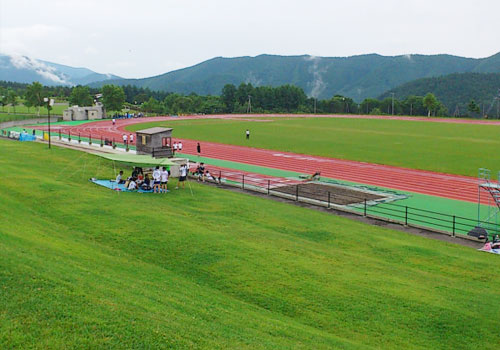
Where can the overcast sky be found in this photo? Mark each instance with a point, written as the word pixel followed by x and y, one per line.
pixel 140 38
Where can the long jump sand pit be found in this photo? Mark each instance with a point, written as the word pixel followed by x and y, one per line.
pixel 330 193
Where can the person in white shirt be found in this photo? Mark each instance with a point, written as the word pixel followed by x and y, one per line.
pixel 183 175
pixel 175 146
pixel 114 121
pixel 209 176
pixel 131 138
pixel 132 185
pixel 164 180
pixel 180 146
pixel 156 179
pixel 247 133
pixel 119 179
pixel 124 139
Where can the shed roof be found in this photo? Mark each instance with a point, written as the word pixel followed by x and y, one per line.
pixel 154 130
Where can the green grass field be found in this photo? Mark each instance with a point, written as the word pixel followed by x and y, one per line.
pixel 27 113
pixel 85 267
pixel 443 147
pixel 4 117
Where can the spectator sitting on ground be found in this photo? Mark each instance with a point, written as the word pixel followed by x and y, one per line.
pixel 209 177
pixel 201 172
pixel 496 242
pixel 146 184
pixel 135 173
pixel 119 179
pixel 132 185
pixel 140 178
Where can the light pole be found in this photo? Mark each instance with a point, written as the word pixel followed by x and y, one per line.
pixel 50 103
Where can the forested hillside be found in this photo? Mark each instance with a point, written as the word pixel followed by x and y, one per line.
pixel 358 77
pixel 456 91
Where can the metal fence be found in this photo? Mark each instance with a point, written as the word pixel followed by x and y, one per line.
pixel 387 211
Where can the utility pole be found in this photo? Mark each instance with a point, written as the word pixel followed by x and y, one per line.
pixel 315 105
pixel 249 107
pixel 392 93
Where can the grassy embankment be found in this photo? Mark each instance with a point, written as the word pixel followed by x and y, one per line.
pixel 85 267
pixel 443 147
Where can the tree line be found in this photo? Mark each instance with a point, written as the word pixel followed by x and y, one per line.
pixel 242 99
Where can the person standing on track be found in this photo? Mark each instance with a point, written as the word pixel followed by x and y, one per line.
pixel 179 146
pixel 125 139
pixel 114 121
pixel 247 133
pixel 175 146
pixel 131 138
pixel 198 149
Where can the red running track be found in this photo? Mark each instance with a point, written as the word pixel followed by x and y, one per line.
pixel 418 181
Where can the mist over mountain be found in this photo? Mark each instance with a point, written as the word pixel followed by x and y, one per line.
pixel 24 69
pixel 358 77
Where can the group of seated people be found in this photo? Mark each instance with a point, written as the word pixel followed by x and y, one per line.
pixel 136 180
pixel 159 178
pixel 204 174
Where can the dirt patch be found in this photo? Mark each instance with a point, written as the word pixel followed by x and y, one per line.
pixel 338 194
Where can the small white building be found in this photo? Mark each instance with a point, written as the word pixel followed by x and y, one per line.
pixel 84 113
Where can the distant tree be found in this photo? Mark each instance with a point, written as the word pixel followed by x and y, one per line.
pixel 12 99
pixel 368 104
pixel 244 90
pixel 34 95
pixel 169 103
pixel 140 98
pixel 334 105
pixel 430 102
pixel 80 96
pixel 113 97
pixel 473 108
pixel 183 104
pixel 3 99
pixel 27 104
pixel 228 97
pixel 211 105
pixel 152 105
pixel 413 105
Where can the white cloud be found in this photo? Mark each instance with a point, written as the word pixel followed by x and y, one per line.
pixel 23 62
pixel 90 50
pixel 157 36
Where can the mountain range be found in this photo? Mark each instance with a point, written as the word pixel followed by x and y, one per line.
pixel 22 69
pixel 357 77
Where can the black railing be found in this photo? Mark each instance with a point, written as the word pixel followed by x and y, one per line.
pixel 361 205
